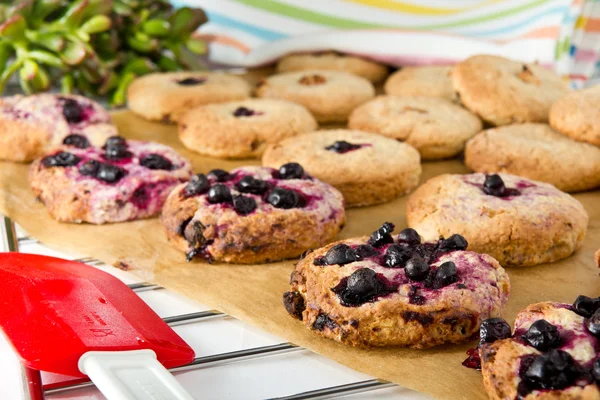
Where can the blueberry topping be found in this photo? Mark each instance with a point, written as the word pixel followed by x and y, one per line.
pixel 294 304
pixel 365 251
pixel 72 111
pixel 339 254
pixel 382 235
pixel 417 269
pixel 109 173
pixel 249 184
pixel 62 159
pixel 115 148
pixel 454 242
pixel 283 198
pixel 219 193
pixel 542 335
pixel 115 141
pixel 291 171
pixel 409 236
pixel 244 205
pixel 396 256
pixel 362 286
pixel 553 370
pixel 198 184
pixel 341 147
pixel 593 324
pixel 79 141
pixel 156 161
pixel 596 369
pixel 244 112
pixel 493 329
pixel 324 321
pixel 191 81
pixel 219 175
pixel 586 306
pixel 494 185
pixel 89 168
pixel 445 275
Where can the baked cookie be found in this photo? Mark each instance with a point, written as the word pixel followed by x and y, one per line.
pixel 167 96
pixel 577 115
pixel 367 168
pixel 503 91
pixel 517 221
pixel 122 181
pixel 436 127
pixel 370 70
pixel 431 81
pixel 552 354
pixel 30 126
pixel 242 129
pixel 535 151
pixel 329 95
pixel 396 291
pixel 252 214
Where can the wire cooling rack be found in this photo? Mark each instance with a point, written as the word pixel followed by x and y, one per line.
pixel 235 361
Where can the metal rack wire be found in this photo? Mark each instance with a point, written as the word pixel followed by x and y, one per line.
pixel 12 242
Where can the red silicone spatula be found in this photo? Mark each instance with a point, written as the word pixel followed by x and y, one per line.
pixel 69 318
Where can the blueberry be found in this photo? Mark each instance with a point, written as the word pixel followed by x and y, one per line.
pixel 596 369
pixel 109 173
pixel 586 306
pixel 249 184
pixel 219 193
pixel 79 141
pixel 365 251
pixel 72 111
pixel 382 235
pixel 454 242
pixel 62 159
pixel 244 112
pixel 283 198
pixel 409 236
pixel 156 161
pixel 340 254
pixel 553 370
pixel 115 141
pixel 363 284
pixel 198 184
pixel 417 269
pixel 542 335
pixel 244 205
pixel 494 185
pixel 446 274
pixel 493 329
pixel 593 324
pixel 291 171
pixel 191 81
pixel 396 256
pixel 89 168
pixel 219 175
pixel 341 146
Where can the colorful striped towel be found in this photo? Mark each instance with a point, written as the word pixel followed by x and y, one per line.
pixel 401 32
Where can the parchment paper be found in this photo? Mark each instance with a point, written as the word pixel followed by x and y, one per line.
pixel 253 293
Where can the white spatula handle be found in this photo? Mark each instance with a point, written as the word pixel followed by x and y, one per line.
pixel 131 375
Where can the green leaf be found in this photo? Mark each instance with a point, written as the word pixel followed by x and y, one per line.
pixel 51 41
pixel 45 57
pixel 166 63
pixel 156 27
pixel 41 81
pixel 43 8
pixel 111 82
pixel 97 24
pixel 120 94
pixel 98 7
pixel 67 83
pixel 13 28
pixel 185 21
pixel 6 52
pixel 29 70
pixel 142 46
pixel 196 46
pixel 73 53
pixel 8 72
pixel 74 14
pixel 139 66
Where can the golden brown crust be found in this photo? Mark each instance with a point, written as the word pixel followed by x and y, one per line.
pixel 544 226
pixel 393 321
pixel 431 81
pixel 158 97
pixel 537 152
pixel 576 115
pixel 502 91
pixel 370 70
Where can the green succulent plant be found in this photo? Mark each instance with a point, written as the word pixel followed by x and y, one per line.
pixel 95 47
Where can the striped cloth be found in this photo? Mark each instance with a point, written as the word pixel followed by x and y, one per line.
pixel 403 32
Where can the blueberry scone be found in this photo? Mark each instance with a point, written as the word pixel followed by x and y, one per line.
pixel 31 126
pixel 552 353
pixel 252 214
pixel 121 181
pixel 396 291
pixel 517 221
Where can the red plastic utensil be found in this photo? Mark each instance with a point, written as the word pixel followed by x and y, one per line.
pixel 68 318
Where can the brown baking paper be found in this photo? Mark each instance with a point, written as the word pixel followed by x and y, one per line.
pixel 253 293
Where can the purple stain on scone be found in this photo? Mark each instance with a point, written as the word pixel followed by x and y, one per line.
pixel 343 147
pixel 191 81
pixel 246 112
